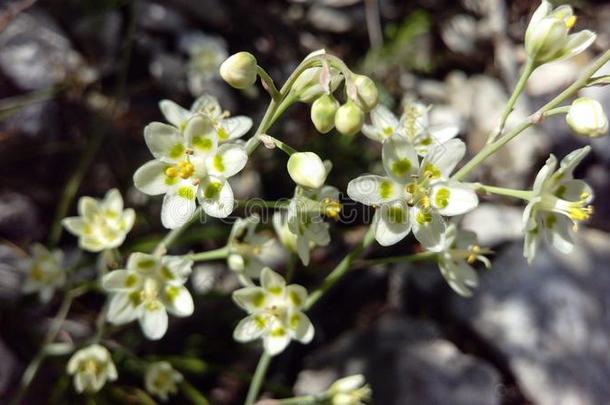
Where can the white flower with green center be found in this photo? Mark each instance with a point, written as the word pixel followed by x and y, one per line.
pixel 458 251
pixel 101 224
pixel 148 289
pixel 413 125
pixel 189 165
pixel 275 313
pixel 161 379
pixel 247 248
pixel 306 218
pixel 414 196
pixel 548 35
pixel 351 390
pixel 558 203
pixel 91 368
pixel 44 272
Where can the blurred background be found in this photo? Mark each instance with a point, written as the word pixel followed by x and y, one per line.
pixel 79 80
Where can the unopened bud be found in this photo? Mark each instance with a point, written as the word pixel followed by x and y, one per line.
pixel 239 70
pixel 307 169
pixel 323 113
pixel 349 118
pixel 586 117
pixel 308 86
pixel 367 94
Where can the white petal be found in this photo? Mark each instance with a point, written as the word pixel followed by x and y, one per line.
pixel 272 282
pixel 164 142
pixel 207 104
pixel 228 161
pixel 297 295
pixel 276 340
pixel 173 113
pixel 453 198
pixel 542 11
pixel 557 231
pixel 544 173
pixel 569 163
pixel 201 135
pixel 391 223
pixel 121 309
pixel 251 299
pixel 250 328
pixel 574 190
pixel 216 197
pixel 121 280
pixel 87 207
pixel 399 159
pixel 235 127
pixel 91 244
pixel 428 232
pixel 150 178
pixel 384 120
pixel 74 225
pixel 178 301
pixel 303 249
pixel 531 243
pixel 442 159
pixel 154 322
pixel 302 327
pixel 113 201
pixel 374 190
pixel 577 43
pixel 177 209
pixel 373 133
pixel 460 276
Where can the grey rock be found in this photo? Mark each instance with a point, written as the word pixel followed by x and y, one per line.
pixel 550 321
pixel 329 19
pixel 18 216
pixel 494 223
pixel 34 120
pixel 159 17
pixel 10 277
pixel 35 54
pixel 405 361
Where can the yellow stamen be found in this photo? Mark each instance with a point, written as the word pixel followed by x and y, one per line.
pixel 171 172
pixel 570 21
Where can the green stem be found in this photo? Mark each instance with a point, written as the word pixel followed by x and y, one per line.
pixel 342 268
pixel 268 83
pixel 193 394
pixel 535 118
pixel 416 257
pixel 220 253
pixel 509 192
pixel 557 111
pixel 172 235
pixel 257 380
pixel 32 369
pixel 528 68
pixel 284 147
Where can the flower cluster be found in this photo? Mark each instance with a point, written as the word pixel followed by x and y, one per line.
pixel 44 272
pixel 275 313
pixel 194 157
pixel 101 224
pixel 148 289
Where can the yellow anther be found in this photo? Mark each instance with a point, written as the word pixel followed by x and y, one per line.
pixel 570 21
pixel 171 172
pixel 581 213
pixel 331 208
pixel 424 202
pixel 474 250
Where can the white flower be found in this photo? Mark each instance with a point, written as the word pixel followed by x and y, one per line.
pixel 351 390
pixel 305 218
pixel 246 247
pixel 44 272
pixel 189 165
pixel 547 37
pixel 227 128
pixel 307 169
pixel 413 125
pixel 101 224
pixel 586 117
pixel 162 379
pixel 148 289
pixel 206 54
pixel 275 313
pixel 458 251
pixel 413 195
pixel 91 368
pixel 558 203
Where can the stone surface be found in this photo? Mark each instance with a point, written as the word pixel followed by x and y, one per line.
pixel 494 223
pixel 549 321
pixel 405 361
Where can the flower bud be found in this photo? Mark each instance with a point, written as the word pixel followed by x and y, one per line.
pixel 239 70
pixel 349 118
pixel 545 39
pixel 323 113
pixel 586 117
pixel 368 97
pixel 308 87
pixel 307 169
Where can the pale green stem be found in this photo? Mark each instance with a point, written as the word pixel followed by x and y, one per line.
pixel 528 68
pixel 508 192
pixel 172 235
pixel 491 148
pixel 557 111
pixel 284 147
pixel 257 380
pixel 268 83
pixel 32 368
pixel 342 268
pixel 220 253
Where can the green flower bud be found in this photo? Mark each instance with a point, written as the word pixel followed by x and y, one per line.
pixel 586 117
pixel 349 118
pixel 307 169
pixel 307 87
pixel 323 113
pixel 368 97
pixel 239 70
